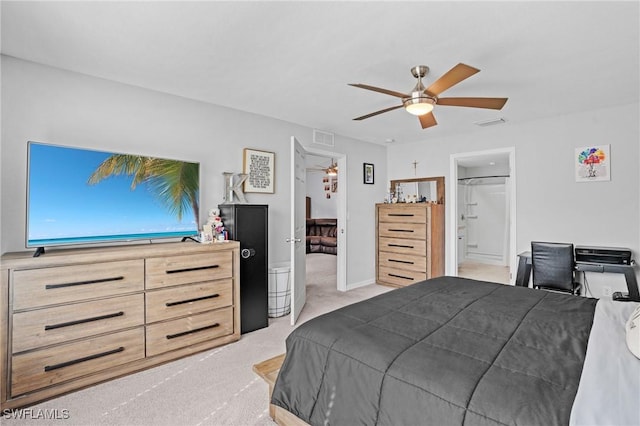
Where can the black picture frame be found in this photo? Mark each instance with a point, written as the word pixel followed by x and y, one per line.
pixel 368 173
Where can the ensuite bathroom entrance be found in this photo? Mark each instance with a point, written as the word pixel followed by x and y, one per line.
pixel 484 233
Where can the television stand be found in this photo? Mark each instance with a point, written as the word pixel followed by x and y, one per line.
pixel 39 251
pixel 78 317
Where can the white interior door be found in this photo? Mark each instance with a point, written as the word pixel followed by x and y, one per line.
pixel 298 230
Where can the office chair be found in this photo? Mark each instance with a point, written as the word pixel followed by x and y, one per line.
pixel 553 267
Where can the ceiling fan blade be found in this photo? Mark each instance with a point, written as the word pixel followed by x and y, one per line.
pixel 427 120
pixel 452 77
pixel 381 90
pixel 378 112
pixel 490 103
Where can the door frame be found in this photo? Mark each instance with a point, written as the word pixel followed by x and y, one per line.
pixel 341 159
pixel 452 243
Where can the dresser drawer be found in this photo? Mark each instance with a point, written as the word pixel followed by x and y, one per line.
pixel 38 369
pixel 175 334
pixel 399 277
pixel 402 246
pixel 176 270
pixel 402 230
pixel 411 214
pixel 48 326
pixel 188 299
pixel 402 261
pixel 64 284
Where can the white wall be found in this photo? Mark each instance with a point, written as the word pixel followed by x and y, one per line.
pixel 551 205
pixel 321 206
pixel 45 104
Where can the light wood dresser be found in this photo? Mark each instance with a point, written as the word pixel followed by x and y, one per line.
pixel 73 318
pixel 410 243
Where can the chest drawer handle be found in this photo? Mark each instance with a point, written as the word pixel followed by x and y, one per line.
pixel 79 360
pixel 408 262
pixel 195 330
pixel 196 268
pixel 195 299
pixel 73 284
pixel 401 214
pixel 400 276
pixel 82 321
pixel 399 245
pixel 401 230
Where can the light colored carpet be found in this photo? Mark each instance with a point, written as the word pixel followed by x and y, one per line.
pixel 217 387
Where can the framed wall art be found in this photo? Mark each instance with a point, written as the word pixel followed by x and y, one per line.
pixel 367 173
pixel 592 163
pixel 259 166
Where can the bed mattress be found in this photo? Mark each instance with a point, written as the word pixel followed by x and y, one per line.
pixel 444 351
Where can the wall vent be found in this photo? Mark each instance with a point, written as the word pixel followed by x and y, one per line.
pixel 490 122
pixel 323 138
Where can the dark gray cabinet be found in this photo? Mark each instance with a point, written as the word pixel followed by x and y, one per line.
pixel 248 224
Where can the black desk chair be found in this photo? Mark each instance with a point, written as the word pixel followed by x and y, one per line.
pixel 553 267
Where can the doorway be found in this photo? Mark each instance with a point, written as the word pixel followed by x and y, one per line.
pixel 328 200
pixel 482 217
pixel 338 194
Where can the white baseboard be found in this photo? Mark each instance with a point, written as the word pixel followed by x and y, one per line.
pixel 351 286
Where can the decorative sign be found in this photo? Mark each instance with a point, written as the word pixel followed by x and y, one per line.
pixel 593 163
pixel 260 168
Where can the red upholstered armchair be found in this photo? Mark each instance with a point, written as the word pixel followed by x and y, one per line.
pixel 322 236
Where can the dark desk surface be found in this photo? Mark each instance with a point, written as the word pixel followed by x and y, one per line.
pixel 524 272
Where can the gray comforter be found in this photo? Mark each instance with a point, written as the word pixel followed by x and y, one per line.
pixel 443 351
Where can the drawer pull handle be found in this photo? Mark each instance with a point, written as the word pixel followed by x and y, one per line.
pixel 196 268
pixel 82 321
pixel 400 276
pixel 408 262
pixel 195 330
pixel 400 245
pixel 195 299
pixel 402 214
pixel 98 281
pixel 79 360
pixel 401 230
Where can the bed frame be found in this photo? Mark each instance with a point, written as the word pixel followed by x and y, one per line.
pixel 268 370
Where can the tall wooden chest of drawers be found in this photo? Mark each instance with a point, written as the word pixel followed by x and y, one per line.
pixel 73 318
pixel 410 243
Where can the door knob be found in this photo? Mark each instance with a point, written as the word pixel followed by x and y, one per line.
pixel 247 253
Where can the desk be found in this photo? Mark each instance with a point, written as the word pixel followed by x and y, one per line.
pixel 524 272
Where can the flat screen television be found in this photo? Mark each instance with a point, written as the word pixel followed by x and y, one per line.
pixel 81 196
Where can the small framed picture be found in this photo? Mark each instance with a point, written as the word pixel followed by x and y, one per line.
pixel 260 166
pixel 593 163
pixel 367 173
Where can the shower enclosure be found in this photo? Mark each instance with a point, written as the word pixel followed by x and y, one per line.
pixel 483 219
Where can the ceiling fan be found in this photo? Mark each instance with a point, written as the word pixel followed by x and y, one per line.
pixel 421 100
pixel 332 170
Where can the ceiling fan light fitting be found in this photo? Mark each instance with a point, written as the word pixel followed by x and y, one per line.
pixel 419 105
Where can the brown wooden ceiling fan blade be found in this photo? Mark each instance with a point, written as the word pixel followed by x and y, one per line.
pixel 452 77
pixel 490 103
pixel 427 120
pixel 381 90
pixel 378 112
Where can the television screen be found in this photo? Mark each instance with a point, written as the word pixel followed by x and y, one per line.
pixel 77 196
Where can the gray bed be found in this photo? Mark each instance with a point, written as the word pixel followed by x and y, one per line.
pixel 444 351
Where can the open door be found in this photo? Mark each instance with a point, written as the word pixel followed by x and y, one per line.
pixel 298 230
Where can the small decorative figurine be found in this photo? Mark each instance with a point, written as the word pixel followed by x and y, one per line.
pixel 214 227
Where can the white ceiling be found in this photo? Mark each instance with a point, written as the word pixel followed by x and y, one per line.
pixel 292 60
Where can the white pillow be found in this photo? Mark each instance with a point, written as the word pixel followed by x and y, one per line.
pixel 633 332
